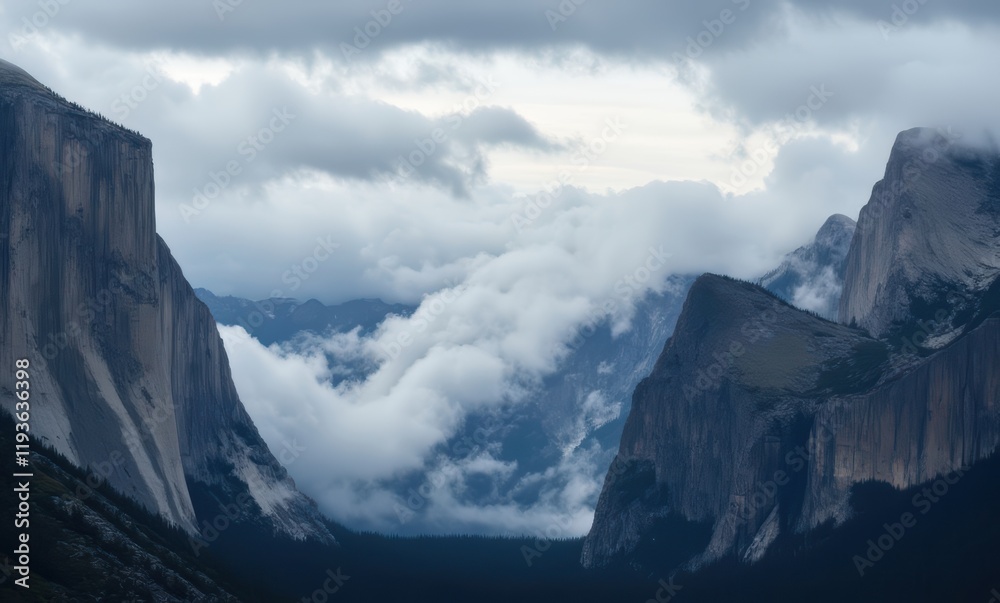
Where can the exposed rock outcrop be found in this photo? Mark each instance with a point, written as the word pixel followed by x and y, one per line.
pixel 939 417
pixel 927 239
pixel 128 374
pixel 729 399
pixel 760 418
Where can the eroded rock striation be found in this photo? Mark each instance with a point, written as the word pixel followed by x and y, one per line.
pixel 129 376
pixel 927 239
pixel 759 418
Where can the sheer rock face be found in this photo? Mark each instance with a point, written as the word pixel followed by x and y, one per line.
pixel 728 401
pixel 816 407
pixel 927 239
pixel 128 374
pixel 941 416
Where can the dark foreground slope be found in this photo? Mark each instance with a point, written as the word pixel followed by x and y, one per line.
pixel 86 540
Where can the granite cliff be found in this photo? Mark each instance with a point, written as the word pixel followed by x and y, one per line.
pixel 759 419
pixel 927 239
pixel 129 376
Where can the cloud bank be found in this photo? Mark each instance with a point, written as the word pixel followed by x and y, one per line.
pixel 512 168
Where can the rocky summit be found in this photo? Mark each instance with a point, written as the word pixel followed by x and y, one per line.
pixel 759 419
pixel 129 374
pixel 927 239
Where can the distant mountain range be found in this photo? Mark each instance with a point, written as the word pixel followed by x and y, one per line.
pixel 584 404
pixel 279 320
pixel 812 276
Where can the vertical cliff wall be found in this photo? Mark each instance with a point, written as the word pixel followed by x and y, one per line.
pixel 941 416
pixel 762 421
pixel 927 238
pixel 730 398
pixel 128 373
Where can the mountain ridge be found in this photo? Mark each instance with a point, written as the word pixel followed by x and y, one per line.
pixel 811 277
pixel 717 420
pixel 729 386
pixel 126 362
pixel 896 270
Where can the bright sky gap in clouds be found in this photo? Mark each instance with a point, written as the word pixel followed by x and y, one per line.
pixel 525 155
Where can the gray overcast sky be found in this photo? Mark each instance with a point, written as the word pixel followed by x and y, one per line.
pixel 518 92
pixel 526 155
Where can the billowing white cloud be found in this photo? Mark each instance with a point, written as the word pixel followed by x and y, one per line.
pixel 818 293
pixel 500 320
pixel 421 169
